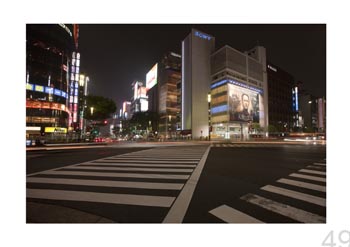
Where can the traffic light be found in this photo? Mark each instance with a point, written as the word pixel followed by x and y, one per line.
pixel 105 122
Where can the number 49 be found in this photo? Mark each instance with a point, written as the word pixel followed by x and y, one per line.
pixel 344 238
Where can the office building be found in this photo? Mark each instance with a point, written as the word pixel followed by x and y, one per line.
pixel 280 86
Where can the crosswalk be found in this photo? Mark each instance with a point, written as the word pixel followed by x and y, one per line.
pixel 300 197
pixel 151 178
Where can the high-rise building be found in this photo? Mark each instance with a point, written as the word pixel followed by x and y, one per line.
pixel 196 50
pixel 162 91
pixel 49 50
pixel 280 86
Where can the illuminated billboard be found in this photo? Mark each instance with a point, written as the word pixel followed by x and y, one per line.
pixel 243 104
pixel 151 77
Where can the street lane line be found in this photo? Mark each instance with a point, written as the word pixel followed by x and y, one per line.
pixel 284 209
pixel 312 172
pixel 320 164
pixel 231 215
pixel 106 183
pixel 308 177
pixel 297 195
pixel 179 208
pixel 118 175
pixel 138 169
pixel 303 184
pixel 140 200
pixel 136 164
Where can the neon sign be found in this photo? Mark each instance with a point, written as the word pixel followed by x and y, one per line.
pixel 202 35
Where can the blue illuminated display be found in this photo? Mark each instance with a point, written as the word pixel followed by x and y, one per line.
pixel 202 35
pixel 57 92
pixel 218 109
pixel 222 82
pixel 48 90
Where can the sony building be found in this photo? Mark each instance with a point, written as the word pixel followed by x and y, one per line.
pixel 197 48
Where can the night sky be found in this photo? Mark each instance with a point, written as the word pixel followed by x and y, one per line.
pixel 114 55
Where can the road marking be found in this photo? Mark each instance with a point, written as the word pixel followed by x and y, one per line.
pixel 231 215
pixel 303 184
pixel 136 164
pixel 131 169
pixel 104 183
pixel 283 209
pixel 150 158
pixel 308 177
pixel 149 162
pixel 297 195
pixel 320 164
pixel 119 175
pixel 140 200
pixel 312 172
pixel 178 210
pixel 316 167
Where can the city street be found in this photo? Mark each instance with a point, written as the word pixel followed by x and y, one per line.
pixel 178 183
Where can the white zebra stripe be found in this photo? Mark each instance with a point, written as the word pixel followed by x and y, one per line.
pixel 283 209
pixel 231 215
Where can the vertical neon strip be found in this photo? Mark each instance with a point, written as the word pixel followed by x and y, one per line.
pixel 296 99
pixel 182 85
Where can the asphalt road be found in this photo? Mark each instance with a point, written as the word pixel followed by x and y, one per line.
pixel 232 179
pixel 233 172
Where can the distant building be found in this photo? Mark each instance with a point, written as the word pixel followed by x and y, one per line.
pixel 139 102
pixel 280 86
pixel 161 83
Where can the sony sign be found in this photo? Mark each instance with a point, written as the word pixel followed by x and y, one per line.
pixel 202 35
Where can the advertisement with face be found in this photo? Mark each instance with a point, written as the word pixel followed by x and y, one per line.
pixel 243 104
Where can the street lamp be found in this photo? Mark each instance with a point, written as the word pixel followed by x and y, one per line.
pixel 92 110
pixel 209 114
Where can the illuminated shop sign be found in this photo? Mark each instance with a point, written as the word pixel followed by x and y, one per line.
pixel 55 130
pixel 39 88
pixel 151 77
pixel 57 92
pixel 43 89
pixel 49 90
pixel 46 105
pixel 222 82
pixel 30 86
pixel 202 35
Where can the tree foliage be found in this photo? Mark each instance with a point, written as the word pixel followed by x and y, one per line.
pixel 103 107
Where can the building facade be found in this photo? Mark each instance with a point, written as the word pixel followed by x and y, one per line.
pixel 197 48
pixel 238 92
pixel 49 51
pixel 280 86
